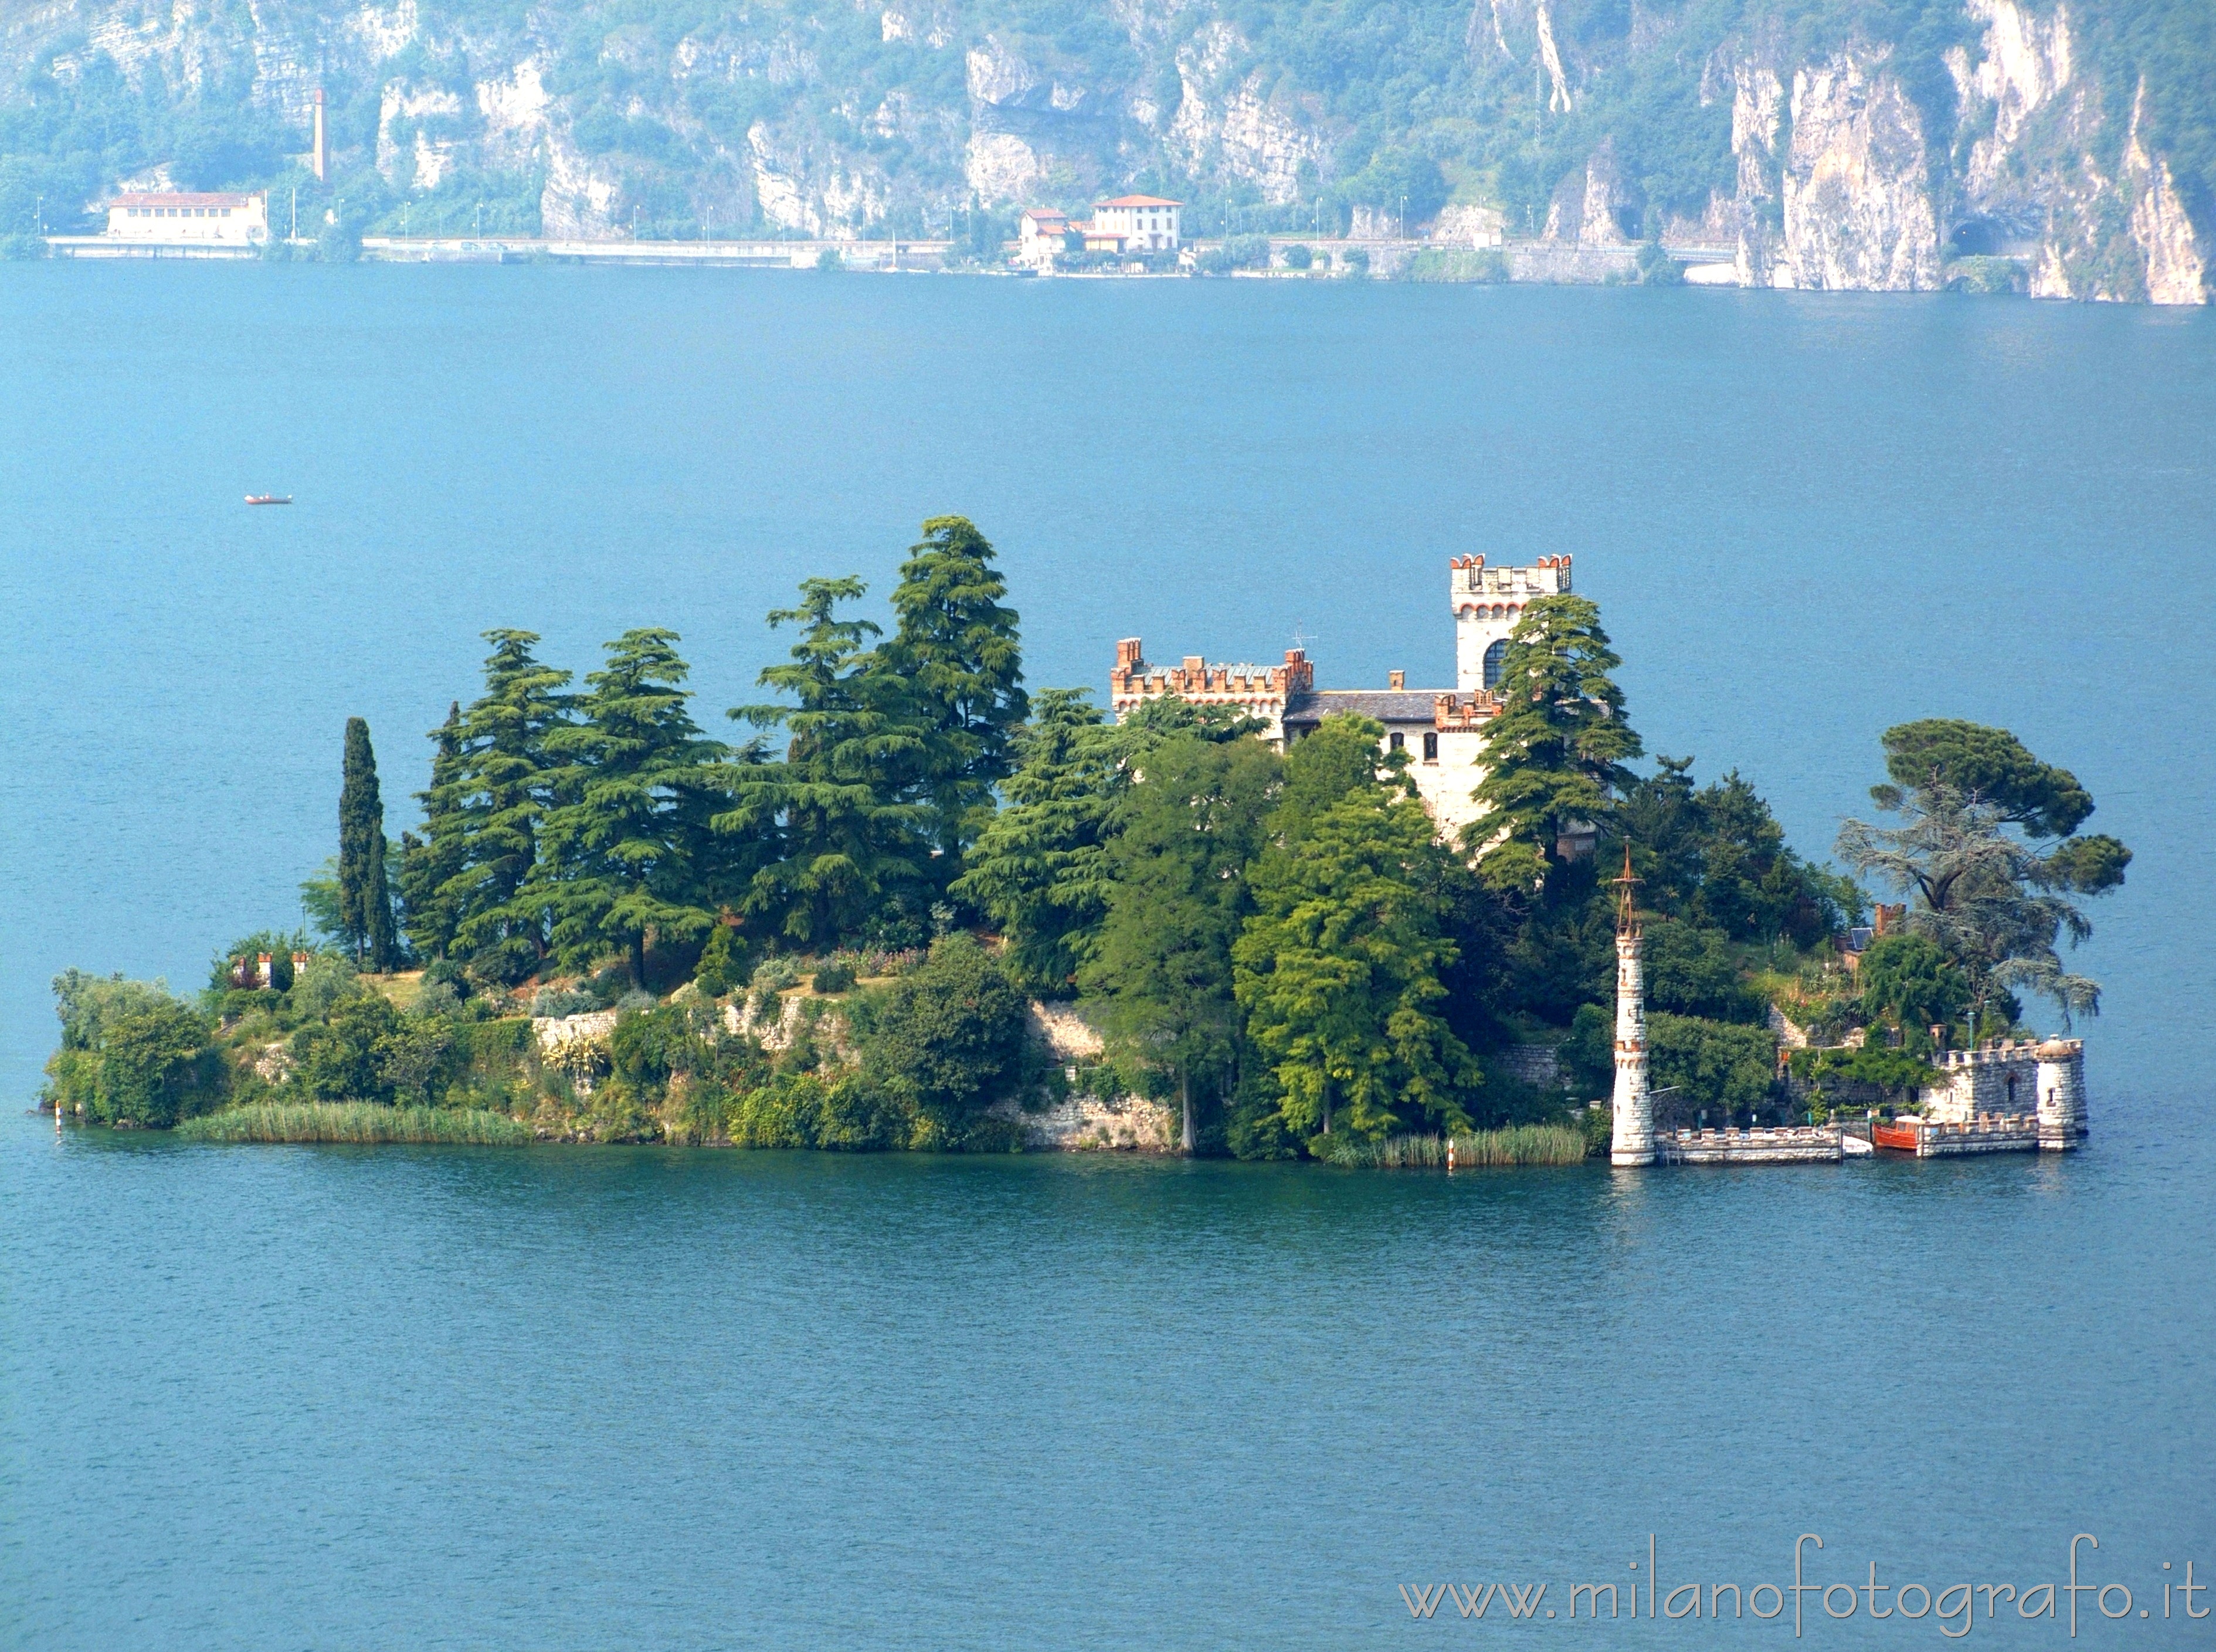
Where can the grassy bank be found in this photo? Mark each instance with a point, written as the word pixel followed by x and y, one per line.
pixel 355 1121
pixel 1517 1143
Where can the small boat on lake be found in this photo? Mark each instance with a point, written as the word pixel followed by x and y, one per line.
pixel 269 498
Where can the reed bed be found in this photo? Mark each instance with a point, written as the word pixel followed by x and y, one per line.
pixel 1514 1145
pixel 361 1122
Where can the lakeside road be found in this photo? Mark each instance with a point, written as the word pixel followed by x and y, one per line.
pixel 1534 261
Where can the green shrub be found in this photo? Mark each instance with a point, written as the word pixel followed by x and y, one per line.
pixel 1692 971
pixel 344 1058
pixel 1237 252
pixel 723 962
pixel 833 978
pixel 1298 256
pixel 1985 276
pixel 1487 266
pixel 132 1055
pixel 1711 1063
pixel 1658 269
pixel 949 1038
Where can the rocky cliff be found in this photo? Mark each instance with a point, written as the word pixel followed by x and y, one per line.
pixel 1811 146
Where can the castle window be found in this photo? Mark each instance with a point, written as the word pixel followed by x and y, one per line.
pixel 1495 658
pixel 1432 747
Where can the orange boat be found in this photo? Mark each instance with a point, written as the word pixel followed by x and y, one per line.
pixel 269 498
pixel 1901 1136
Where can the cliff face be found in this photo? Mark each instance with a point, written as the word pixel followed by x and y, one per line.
pixel 1824 158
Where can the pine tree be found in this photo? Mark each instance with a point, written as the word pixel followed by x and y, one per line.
pixel 365 897
pixel 956 651
pixel 624 857
pixel 429 865
pixel 1039 869
pixel 1176 898
pixel 840 845
pixel 1339 971
pixel 500 787
pixel 1555 753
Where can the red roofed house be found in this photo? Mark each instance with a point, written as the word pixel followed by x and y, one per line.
pixel 171 217
pixel 1143 223
pixel 1038 236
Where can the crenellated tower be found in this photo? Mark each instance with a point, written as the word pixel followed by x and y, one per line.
pixel 1633 1141
pixel 1487 602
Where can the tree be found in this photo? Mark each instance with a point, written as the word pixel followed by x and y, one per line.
pixel 130 1053
pixel 1908 978
pixel 344 1058
pixel 1339 968
pixel 957 650
pixel 1176 898
pixel 623 857
pixel 842 847
pixel 157 1065
pixel 1989 900
pixel 948 1037
pixel 1711 1063
pixel 1990 764
pixel 501 785
pixel 1039 869
pixel 365 896
pixel 429 865
pixel 1556 752
pixel 1993 767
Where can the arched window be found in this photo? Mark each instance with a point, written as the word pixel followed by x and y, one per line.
pixel 1495 657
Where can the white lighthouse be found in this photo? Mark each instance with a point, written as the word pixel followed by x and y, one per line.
pixel 1633 1141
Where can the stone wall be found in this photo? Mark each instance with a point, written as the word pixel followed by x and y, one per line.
pixel 1572 266
pixel 1083 1123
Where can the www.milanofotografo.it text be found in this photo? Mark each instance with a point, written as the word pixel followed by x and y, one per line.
pixel 1805 1603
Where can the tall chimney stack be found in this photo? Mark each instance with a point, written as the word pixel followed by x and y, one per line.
pixel 319 133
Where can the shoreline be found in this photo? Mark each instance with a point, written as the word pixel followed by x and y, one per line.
pixel 1508 263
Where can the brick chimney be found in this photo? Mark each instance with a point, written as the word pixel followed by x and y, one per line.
pixel 1396 680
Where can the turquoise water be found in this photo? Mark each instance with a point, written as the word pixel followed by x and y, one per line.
pixel 306 1396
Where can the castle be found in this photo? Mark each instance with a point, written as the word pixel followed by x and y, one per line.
pixel 1441 729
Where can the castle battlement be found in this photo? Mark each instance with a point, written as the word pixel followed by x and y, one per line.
pixel 1487 602
pixel 1464 712
pixel 1259 690
pixel 2011 1077
pixel 2007 1050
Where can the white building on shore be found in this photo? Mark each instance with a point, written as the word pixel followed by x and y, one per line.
pixel 172 217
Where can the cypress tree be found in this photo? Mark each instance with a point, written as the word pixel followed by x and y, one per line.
pixel 364 897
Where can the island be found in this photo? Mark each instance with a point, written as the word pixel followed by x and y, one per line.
pixel 908 906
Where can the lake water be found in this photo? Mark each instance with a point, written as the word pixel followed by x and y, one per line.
pixel 591 1397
